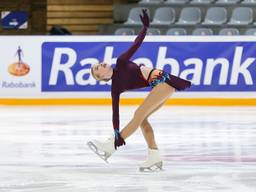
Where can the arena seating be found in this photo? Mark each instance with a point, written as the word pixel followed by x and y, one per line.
pixel 186 17
pixel 229 31
pixel 176 31
pixel 125 31
pixel 251 31
pixel 202 31
pixel 164 16
pixel 215 16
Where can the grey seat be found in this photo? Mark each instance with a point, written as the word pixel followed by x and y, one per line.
pixel 176 1
pixel 202 31
pixel 153 31
pixel 134 16
pixel 229 31
pixel 251 31
pixel 189 16
pixel 248 2
pixel 164 16
pixel 215 16
pixel 176 31
pixel 241 16
pixel 227 1
pixel 150 1
pixel 125 31
pixel 202 1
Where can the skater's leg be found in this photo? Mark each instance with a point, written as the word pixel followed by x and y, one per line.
pixel 154 160
pixel 158 95
pixel 148 132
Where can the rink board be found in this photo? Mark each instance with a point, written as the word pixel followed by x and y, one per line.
pixel 57 68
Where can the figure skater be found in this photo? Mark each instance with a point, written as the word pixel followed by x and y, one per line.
pixel 125 76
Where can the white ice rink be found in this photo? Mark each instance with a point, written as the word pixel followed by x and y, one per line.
pixel 205 149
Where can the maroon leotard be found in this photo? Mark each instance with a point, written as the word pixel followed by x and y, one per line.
pixel 127 76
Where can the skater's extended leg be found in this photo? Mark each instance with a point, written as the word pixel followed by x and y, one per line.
pixel 158 95
pixel 105 149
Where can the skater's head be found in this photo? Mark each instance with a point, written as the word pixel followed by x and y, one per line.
pixel 102 71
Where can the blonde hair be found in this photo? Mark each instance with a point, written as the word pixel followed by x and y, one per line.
pixel 93 74
pixel 97 77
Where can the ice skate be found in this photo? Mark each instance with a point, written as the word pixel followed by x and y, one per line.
pixel 153 163
pixel 103 149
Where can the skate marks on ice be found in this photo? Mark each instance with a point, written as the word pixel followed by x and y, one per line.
pixel 204 149
pixel 175 177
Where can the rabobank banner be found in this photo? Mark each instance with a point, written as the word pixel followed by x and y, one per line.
pixel 59 67
pixel 211 66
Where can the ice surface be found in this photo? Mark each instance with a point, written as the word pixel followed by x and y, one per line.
pixel 205 149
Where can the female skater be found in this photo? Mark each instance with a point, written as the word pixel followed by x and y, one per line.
pixel 126 76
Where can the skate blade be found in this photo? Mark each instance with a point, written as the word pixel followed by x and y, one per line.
pixel 96 151
pixel 154 168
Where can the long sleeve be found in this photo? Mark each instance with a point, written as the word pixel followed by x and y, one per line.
pixel 115 109
pixel 139 39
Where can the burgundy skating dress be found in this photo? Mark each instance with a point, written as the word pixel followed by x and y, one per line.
pixel 127 76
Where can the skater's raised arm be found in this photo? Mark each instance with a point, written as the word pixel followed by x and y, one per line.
pixel 139 39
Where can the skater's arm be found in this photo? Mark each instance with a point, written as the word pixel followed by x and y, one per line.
pixel 139 39
pixel 115 109
pixel 119 141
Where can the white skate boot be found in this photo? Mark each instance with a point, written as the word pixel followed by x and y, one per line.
pixel 153 163
pixel 103 149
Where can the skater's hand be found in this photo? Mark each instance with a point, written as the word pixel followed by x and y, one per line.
pixel 119 141
pixel 144 18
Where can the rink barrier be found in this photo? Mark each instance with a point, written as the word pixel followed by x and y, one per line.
pixel 56 71
pixel 133 101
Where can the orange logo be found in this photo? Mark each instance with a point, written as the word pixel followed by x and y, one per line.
pixel 19 68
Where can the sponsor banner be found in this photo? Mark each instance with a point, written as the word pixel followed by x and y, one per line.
pixel 211 66
pixel 20 67
pixel 59 67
